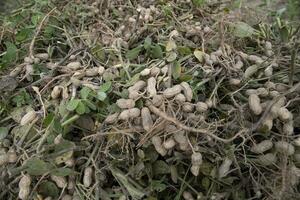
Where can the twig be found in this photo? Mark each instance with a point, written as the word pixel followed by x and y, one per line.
pixel 37 32
pixel 191 129
pixel 36 89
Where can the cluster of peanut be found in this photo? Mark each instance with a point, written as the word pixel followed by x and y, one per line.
pixel 66 183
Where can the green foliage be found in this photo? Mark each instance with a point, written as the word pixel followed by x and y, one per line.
pixel 199 3
pixel 23 98
pixel 10 55
pixel 3 132
pixel 48 188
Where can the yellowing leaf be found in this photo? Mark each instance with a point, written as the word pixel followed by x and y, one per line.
pixel 171 56
pixel 171 45
pixel 199 55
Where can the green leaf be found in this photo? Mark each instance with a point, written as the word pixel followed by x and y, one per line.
pixel 84 92
pixel 48 120
pixel 105 86
pixel 3 132
pixel 98 52
pixel 184 51
pixel 160 167
pixel 158 186
pixel 133 53
pixel 133 80
pixel 80 109
pixel 11 54
pixel 48 188
pixel 199 3
pixel 156 51
pixel 147 43
pixel 36 18
pixel 101 95
pixel 62 172
pixel 176 70
pixel 23 34
pixel 72 104
pixel 284 34
pixel 36 166
pixel 90 104
pixel 243 30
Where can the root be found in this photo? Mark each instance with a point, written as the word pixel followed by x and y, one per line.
pixel 191 129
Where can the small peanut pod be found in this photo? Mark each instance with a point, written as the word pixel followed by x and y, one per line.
pixel 125 103
pixel 234 81
pixel 187 90
pixel 42 56
pixel 92 72
pixel 155 71
pixel 137 86
pixel 255 59
pixel 101 70
pixel 262 92
pixel 267 159
pixel 238 65
pixel 173 91
pixel 110 119
pixel 250 71
pixel 267 124
pixel 146 119
pixel 284 148
pixel 268 71
pixel 296 142
pixel 195 169
pixel 145 72
pixel 151 86
pixel 284 114
pixel 74 65
pixel 169 143
pixel 181 139
pixel 87 177
pixel 188 107
pixel 12 156
pixel 157 100
pixel 66 197
pixel 254 104
pixel 201 106
pixel 180 98
pixel 157 142
pixel 196 158
pixel 187 196
pixel 3 159
pixel 262 146
pixel 56 92
pixel 224 167
pixel 288 128
pixel 129 114
pixel 196 162
pixel 60 181
pixel 28 117
pixel 24 187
